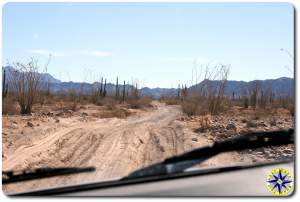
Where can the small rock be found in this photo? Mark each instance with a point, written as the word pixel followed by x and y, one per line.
pixel 141 141
pixel 288 151
pixel 262 124
pixel 231 126
pixel 271 155
pixel 56 120
pixel 60 113
pixel 14 125
pixel 29 124
pixel 195 139
pixel 244 120
pixel 70 111
pixel 49 114
pixel 273 122
pixel 251 124
pixel 84 114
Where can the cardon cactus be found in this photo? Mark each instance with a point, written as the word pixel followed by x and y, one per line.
pixel 4 86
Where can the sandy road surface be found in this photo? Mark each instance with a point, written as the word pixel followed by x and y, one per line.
pixel 114 146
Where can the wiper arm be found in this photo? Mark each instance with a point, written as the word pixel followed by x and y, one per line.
pixel 24 175
pixel 249 141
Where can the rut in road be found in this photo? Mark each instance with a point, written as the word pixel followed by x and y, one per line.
pixel 115 147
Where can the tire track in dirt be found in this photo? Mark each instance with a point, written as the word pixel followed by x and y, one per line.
pixel 115 147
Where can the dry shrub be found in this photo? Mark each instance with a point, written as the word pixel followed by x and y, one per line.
pixel 139 103
pixel 72 106
pixel 192 107
pixel 26 83
pixel 9 107
pixel 109 102
pixel 261 113
pixel 291 109
pixel 273 121
pixel 205 122
pixel 171 101
pixel 209 95
pixel 251 124
pixel 67 105
pixel 117 112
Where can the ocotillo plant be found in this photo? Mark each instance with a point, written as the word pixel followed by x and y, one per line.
pixel 117 89
pixel 4 86
pixel 123 96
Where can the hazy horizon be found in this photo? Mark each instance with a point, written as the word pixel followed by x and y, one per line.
pixel 157 43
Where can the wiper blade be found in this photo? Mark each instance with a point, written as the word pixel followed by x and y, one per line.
pixel 249 141
pixel 24 175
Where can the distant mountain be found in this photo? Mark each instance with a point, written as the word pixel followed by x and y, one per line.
pixel 158 92
pixel 280 87
pixel 45 76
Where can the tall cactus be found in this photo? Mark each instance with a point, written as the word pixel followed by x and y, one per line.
pixel 123 96
pixel 178 92
pixel 4 86
pixel 101 87
pixel 136 92
pixel 117 89
pixel 104 89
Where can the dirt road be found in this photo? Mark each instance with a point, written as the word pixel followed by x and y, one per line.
pixel 115 147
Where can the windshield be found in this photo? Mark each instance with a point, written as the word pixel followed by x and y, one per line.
pixel 118 87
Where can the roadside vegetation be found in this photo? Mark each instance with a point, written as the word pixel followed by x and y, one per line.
pixel 208 97
pixel 25 91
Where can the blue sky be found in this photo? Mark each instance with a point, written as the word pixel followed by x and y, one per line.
pixel 156 43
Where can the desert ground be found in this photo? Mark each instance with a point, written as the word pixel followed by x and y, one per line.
pixel 116 146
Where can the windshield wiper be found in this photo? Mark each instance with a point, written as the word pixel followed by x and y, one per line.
pixel 23 175
pixel 181 162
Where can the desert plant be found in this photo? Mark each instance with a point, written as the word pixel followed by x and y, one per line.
pixel 178 92
pixel 254 93
pixel 104 89
pixel 209 94
pixel 101 87
pixel 246 102
pixel 216 93
pixel 139 103
pixel 26 84
pixel 117 89
pixel 123 94
pixel 4 86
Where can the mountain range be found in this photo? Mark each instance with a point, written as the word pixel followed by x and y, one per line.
pixel 280 87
